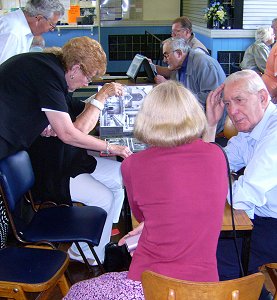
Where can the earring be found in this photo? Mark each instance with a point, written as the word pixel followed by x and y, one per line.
pixel 71 76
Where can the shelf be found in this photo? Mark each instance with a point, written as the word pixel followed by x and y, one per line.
pixel 59 28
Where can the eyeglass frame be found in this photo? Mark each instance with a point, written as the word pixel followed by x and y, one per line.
pixel 166 55
pixel 53 26
pixel 178 30
pixel 89 78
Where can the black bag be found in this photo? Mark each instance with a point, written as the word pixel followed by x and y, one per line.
pixel 117 258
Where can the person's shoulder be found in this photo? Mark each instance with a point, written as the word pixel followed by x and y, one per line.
pixel 260 45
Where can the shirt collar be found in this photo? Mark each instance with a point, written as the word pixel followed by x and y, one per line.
pixel 25 28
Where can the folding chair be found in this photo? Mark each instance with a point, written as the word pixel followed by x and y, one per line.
pixel 58 224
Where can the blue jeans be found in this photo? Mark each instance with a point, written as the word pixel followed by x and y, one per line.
pixel 262 250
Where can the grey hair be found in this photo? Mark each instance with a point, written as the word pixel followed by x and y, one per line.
pixel 46 8
pixel 253 83
pixel 263 34
pixel 177 44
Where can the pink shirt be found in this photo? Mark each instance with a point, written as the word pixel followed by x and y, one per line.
pixel 180 194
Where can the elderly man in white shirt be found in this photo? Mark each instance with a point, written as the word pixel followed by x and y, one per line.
pixel 248 105
pixel 18 28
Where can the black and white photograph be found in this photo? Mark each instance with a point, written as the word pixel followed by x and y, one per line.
pixel 119 113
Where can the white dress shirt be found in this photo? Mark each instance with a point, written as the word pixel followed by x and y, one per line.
pixel 256 190
pixel 15 35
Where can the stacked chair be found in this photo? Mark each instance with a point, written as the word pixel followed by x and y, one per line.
pixel 52 225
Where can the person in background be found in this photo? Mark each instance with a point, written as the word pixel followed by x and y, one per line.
pixel 274 27
pixel 270 75
pixel 169 193
pixel 182 28
pixel 38 44
pixel 18 28
pixel 64 172
pixel 256 55
pixel 248 104
pixel 34 96
pixel 198 72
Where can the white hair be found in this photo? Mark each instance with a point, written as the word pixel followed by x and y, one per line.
pixel 263 34
pixel 253 83
pixel 46 8
pixel 177 44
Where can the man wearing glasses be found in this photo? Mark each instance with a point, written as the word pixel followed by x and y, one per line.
pixel 182 28
pixel 198 72
pixel 18 28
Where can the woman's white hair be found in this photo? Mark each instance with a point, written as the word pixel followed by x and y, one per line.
pixel 263 34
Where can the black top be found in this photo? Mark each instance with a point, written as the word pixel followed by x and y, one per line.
pixel 29 82
pixel 55 162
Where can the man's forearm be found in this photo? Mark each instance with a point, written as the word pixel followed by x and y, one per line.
pixel 164 71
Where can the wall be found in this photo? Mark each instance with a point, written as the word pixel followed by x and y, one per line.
pixel 258 13
pixel 58 39
pixel 161 10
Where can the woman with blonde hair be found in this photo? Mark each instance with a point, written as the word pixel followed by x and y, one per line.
pixel 177 190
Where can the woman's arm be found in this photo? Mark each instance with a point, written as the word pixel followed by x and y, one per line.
pixel 87 120
pixel 65 130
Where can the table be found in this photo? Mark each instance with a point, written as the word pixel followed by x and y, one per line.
pixel 243 226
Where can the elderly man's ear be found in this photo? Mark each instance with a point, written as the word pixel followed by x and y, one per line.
pixel 264 97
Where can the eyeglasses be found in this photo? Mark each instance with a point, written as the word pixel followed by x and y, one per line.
pixel 166 55
pixel 177 31
pixel 53 26
pixel 88 77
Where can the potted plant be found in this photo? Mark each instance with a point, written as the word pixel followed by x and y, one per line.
pixel 215 15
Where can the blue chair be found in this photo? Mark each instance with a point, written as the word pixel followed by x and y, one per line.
pixel 32 270
pixel 54 225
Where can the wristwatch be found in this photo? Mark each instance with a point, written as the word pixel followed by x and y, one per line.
pixel 95 102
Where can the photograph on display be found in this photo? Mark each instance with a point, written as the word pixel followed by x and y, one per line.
pixel 119 113
pixel 133 144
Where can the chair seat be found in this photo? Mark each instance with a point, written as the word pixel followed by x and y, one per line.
pixel 55 224
pixel 30 265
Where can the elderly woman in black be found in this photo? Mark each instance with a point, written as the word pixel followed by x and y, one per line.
pixel 33 92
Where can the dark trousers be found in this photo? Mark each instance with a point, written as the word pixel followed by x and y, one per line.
pixel 263 250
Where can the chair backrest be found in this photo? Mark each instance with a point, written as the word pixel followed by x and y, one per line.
pixel 159 287
pixel 229 128
pixel 271 270
pixel 16 178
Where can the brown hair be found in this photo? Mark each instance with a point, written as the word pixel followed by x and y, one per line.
pixel 184 21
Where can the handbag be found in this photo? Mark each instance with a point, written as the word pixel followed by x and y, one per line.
pixel 117 258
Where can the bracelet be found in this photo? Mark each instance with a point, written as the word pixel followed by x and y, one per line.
pixel 108 148
pixel 95 102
